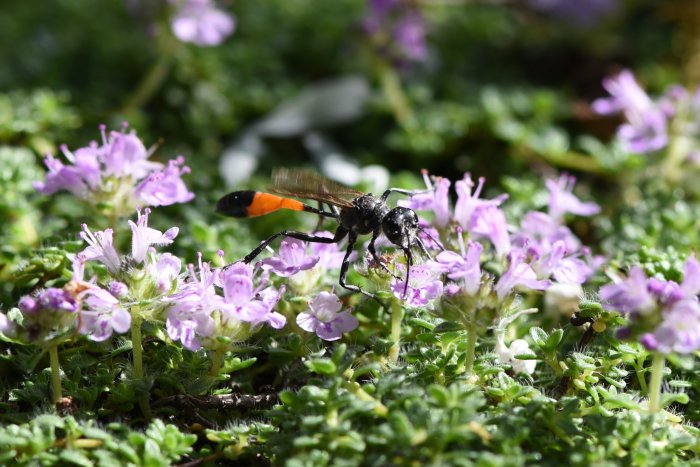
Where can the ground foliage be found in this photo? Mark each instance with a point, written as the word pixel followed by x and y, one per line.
pixel 505 91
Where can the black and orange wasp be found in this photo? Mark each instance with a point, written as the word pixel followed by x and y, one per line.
pixel 357 214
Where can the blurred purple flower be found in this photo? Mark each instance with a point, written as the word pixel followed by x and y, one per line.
pixel 202 23
pixel 397 28
pixel 679 331
pixel 292 258
pixel 563 200
pixel 325 318
pixel 165 187
pixel 646 128
pixel 629 296
pixel 665 315
pixel 519 273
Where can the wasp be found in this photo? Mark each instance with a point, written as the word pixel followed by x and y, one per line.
pixel 356 213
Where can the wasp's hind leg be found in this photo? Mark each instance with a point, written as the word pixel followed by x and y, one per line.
pixel 340 233
pixel 352 238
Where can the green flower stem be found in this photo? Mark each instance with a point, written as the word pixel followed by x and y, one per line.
pixel 471 346
pixel 217 360
pixel 657 370
pixel 55 374
pixel 393 91
pixel 396 318
pixel 150 84
pixel 639 367
pixel 137 351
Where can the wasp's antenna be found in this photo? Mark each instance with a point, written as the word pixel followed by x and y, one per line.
pixel 421 229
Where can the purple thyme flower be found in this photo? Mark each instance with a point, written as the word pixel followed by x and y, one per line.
pixel 246 302
pixel 464 267
pixel 563 200
pixel 519 273
pixel 539 232
pixel 80 178
pixel 435 198
pixel 330 255
pixel 102 315
pixel 202 23
pixel 101 248
pixel 423 285
pixel 679 331
pixel 118 289
pixel 629 296
pixel 56 299
pixel 490 222
pixel 468 203
pixel 117 173
pixel 325 318
pixel 165 271
pixel 291 258
pixel 646 130
pixel 143 236
pixel 189 316
pixel 664 314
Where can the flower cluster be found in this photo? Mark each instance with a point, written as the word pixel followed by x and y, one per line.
pixel 664 315
pixel 651 123
pixel 116 173
pixel 543 250
pixel 200 22
pixel 539 255
pixel 397 28
pixel 218 308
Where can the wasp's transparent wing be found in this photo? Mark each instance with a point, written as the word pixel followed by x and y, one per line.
pixel 307 184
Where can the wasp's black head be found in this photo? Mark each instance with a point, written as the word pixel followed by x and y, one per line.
pixel 400 226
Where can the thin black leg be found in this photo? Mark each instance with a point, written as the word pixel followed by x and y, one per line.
pixel 339 235
pixel 352 238
pixel 409 263
pixel 400 191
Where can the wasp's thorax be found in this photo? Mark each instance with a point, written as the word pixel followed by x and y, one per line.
pixel 365 216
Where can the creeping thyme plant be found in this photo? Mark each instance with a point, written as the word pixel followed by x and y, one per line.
pixel 548 314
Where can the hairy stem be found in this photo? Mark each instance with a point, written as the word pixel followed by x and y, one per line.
pixel 217 359
pixel 55 374
pixel 396 317
pixel 471 346
pixel 657 370
pixel 137 351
